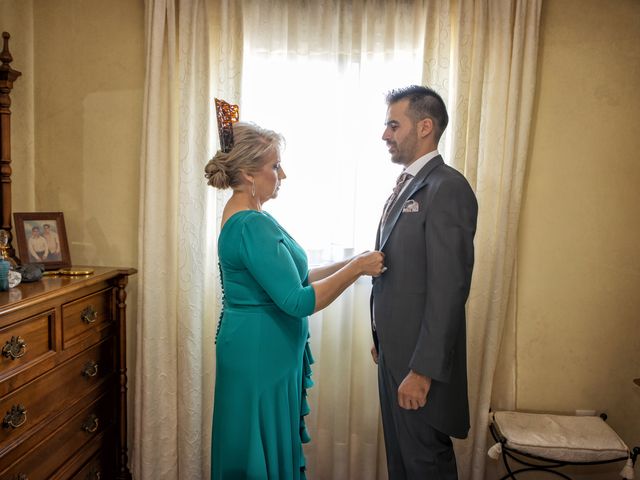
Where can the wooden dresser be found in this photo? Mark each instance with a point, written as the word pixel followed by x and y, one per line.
pixel 63 382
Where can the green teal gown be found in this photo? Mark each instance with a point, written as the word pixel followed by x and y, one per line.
pixel 262 353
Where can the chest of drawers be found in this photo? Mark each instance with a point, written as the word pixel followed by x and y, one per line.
pixel 63 378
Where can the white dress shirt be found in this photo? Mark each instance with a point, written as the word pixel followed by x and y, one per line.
pixel 416 166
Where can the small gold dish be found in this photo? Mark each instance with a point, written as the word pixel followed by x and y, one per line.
pixel 75 271
pixel 69 272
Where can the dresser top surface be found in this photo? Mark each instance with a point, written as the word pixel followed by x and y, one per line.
pixel 56 284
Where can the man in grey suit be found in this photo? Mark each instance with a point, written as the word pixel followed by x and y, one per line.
pixel 418 305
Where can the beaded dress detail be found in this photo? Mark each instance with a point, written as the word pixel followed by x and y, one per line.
pixel 222 303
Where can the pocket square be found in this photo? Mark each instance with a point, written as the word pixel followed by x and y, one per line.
pixel 411 206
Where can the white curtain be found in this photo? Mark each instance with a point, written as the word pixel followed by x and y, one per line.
pixel 489 77
pixel 174 335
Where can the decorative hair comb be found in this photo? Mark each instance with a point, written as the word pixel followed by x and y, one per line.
pixel 227 115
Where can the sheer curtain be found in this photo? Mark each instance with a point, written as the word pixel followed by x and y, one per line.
pixel 317 72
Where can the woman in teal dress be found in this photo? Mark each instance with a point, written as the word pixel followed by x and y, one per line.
pixel 262 356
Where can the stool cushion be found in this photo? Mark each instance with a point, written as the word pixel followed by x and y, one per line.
pixel 560 437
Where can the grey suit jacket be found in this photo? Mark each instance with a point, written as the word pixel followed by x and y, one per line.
pixel 418 304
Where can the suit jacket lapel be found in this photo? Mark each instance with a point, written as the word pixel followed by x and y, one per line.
pixel 415 185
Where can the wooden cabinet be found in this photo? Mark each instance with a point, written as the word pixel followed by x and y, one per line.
pixel 63 378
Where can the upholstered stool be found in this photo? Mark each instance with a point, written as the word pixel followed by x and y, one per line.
pixel 556 441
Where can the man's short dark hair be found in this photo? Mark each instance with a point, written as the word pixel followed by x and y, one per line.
pixel 423 102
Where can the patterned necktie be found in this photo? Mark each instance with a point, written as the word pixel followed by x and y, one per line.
pixel 402 179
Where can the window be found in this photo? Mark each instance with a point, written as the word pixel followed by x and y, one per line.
pixel 332 115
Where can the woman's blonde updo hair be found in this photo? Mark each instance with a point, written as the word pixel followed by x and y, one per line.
pixel 251 145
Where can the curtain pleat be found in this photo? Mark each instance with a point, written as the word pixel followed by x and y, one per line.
pixel 490 96
pixel 174 342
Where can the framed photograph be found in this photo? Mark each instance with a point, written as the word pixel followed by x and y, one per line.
pixel 42 238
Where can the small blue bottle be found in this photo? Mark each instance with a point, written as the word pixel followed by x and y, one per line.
pixel 4 275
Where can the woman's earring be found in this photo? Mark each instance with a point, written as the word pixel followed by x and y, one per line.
pixel 253 188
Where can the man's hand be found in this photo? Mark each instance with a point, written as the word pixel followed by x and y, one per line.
pixel 413 391
pixel 374 354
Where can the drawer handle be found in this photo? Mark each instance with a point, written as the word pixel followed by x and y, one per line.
pixel 89 314
pixel 14 348
pixel 20 476
pixel 90 425
pixel 90 369
pixel 16 417
pixel 94 474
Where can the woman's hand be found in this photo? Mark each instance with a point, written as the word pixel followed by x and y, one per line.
pixel 370 263
pixel 328 287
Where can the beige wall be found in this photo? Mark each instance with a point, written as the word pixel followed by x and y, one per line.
pixel 578 324
pixel 76 119
pixel 16 18
pixel 89 76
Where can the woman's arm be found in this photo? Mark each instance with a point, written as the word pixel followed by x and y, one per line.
pixel 273 267
pixel 328 288
pixel 318 273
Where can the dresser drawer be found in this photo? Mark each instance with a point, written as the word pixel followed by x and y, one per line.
pixel 26 343
pixel 86 316
pixel 91 429
pixel 24 410
pixel 99 467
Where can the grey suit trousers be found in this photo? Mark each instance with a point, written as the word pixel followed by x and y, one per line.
pixel 415 450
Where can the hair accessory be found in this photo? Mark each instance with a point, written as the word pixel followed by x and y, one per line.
pixel 227 115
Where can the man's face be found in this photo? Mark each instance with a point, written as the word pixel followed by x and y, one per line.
pixel 400 134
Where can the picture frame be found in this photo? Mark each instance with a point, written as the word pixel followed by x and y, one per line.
pixel 42 238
